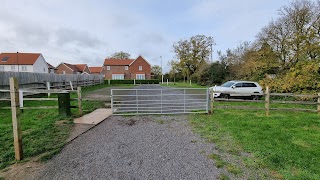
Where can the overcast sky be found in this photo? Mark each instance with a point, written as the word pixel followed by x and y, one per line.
pixel 87 31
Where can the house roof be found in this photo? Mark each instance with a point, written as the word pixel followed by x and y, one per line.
pixel 50 66
pixel 81 67
pixel 72 67
pixel 95 69
pixel 18 58
pixel 118 62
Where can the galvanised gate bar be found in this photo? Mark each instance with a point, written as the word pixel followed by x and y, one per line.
pixel 159 101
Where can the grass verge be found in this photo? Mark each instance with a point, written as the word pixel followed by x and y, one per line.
pixel 285 145
pixel 44 132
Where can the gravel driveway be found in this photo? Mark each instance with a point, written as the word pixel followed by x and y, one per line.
pixel 136 147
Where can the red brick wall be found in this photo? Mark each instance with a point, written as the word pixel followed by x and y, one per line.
pixel 62 68
pixel 116 70
pixel 134 68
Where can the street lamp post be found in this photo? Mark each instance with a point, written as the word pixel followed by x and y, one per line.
pixel 161 71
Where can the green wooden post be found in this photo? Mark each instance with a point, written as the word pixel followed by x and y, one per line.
pixel 64 104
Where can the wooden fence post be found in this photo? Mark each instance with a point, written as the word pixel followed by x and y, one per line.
pixel 15 108
pixel 267 105
pixel 79 100
pixel 318 103
pixel 48 88
pixel 211 100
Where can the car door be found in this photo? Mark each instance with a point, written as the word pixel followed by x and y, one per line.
pixel 237 90
pixel 249 88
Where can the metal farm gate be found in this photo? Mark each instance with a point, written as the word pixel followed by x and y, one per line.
pixel 159 101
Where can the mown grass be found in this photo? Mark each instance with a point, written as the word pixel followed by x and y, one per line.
pixel 287 144
pixel 183 85
pixel 44 132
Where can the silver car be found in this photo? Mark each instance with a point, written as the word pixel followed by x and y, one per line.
pixel 242 89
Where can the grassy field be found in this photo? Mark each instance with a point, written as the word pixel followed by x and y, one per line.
pixel 285 145
pixel 183 85
pixel 44 132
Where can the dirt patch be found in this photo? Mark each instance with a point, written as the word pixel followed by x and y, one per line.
pixel 22 170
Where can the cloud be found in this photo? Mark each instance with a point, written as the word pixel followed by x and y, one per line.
pixel 71 38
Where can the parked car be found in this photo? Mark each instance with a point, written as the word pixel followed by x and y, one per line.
pixel 238 89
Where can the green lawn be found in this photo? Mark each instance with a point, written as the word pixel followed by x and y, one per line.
pixel 287 144
pixel 44 132
pixel 183 85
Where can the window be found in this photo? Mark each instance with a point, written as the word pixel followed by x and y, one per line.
pixel 108 68
pixel 126 68
pixel 140 76
pixel 238 85
pixel 249 85
pixel 140 68
pixel 1 68
pixel 5 59
pixel 44 69
pixel 118 76
pixel 13 67
pixel 23 68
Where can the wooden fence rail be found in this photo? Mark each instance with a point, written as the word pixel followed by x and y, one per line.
pixel 268 102
pixel 17 105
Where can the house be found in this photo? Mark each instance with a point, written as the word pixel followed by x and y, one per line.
pixel 65 68
pixel 23 62
pixel 138 68
pixel 97 70
pixel 52 69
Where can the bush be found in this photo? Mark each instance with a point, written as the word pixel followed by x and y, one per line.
pixel 131 81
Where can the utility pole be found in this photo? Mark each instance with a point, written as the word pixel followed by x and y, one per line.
pixel 18 60
pixel 211 52
pixel 161 70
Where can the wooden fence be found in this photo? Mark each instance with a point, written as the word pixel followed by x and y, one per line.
pixel 268 102
pixel 48 81
pixel 16 109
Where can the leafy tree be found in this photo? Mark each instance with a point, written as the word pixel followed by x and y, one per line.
pixel 120 55
pixel 156 71
pixel 192 53
pixel 218 72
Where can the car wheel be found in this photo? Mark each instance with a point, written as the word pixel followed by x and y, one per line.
pixel 255 97
pixel 226 96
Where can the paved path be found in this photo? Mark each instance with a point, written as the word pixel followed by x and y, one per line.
pixel 136 147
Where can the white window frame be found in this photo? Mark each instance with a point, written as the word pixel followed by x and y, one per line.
pixel 108 68
pixel 118 76
pixel 13 67
pixel 140 76
pixel 1 68
pixel 24 68
pixel 126 68
pixel 140 68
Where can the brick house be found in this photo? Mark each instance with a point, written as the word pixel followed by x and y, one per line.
pixel 65 68
pixel 97 70
pixel 52 69
pixel 138 68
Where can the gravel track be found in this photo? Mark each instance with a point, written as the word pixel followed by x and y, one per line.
pixel 135 147
pixel 139 147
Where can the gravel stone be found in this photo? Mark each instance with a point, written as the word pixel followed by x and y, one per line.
pixel 135 147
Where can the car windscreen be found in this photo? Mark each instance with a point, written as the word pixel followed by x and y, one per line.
pixel 227 84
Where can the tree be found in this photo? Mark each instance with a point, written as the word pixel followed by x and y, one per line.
pixel 120 55
pixel 217 72
pixel 193 52
pixel 156 71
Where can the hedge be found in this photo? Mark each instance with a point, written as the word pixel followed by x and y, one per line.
pixel 131 81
